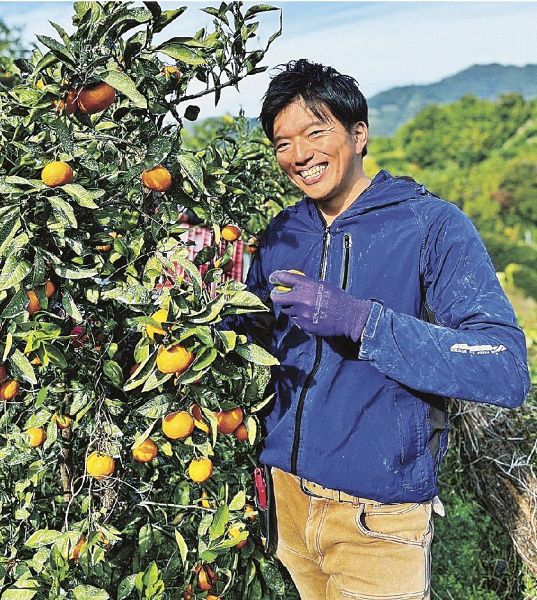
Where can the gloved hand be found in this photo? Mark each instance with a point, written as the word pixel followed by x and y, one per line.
pixel 319 307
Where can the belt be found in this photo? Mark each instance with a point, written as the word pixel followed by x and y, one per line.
pixel 315 489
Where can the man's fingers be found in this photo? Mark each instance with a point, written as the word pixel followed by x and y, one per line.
pixel 285 278
pixel 282 297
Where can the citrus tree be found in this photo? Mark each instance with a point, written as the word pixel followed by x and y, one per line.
pixel 128 419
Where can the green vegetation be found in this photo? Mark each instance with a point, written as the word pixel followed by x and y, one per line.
pixel 389 110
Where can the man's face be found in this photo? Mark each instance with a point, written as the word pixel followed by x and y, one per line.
pixel 320 157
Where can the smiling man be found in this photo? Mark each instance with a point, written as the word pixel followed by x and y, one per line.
pixel 396 308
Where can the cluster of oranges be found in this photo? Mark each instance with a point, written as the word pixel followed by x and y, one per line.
pixel 58 173
pixel 90 100
pixel 33 301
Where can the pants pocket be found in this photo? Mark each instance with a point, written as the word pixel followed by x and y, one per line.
pixel 403 523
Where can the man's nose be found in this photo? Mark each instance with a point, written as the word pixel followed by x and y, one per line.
pixel 303 152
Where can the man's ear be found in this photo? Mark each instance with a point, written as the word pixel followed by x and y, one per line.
pixel 360 132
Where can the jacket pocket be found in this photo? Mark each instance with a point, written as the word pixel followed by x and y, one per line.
pixel 401 523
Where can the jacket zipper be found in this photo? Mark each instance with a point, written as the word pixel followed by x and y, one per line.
pixel 317 362
pixel 346 256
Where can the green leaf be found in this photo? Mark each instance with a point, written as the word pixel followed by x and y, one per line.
pixel 57 49
pixel 256 355
pixel 88 592
pixel 145 538
pixel 125 587
pixel 63 211
pixel 210 312
pixel 156 408
pixel 47 60
pixel 272 576
pixel 191 165
pixel 70 306
pixel 13 272
pixel 157 151
pixel 239 500
pixel 82 196
pixel 72 272
pixel 258 8
pixel 16 305
pixel 42 537
pixel 167 17
pixel 155 380
pixel 124 84
pixel 229 339
pixel 8 231
pixel 183 548
pixel 55 356
pixel 182 53
pixel 220 520
pixel 18 594
pixel 23 366
pixel 204 358
pixel 113 372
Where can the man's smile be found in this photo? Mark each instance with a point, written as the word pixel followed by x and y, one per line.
pixel 313 174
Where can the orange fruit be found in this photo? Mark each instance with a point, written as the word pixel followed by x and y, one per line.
pixel 234 533
pixel 200 469
pixel 36 436
pixel 36 361
pixel 145 452
pixel 160 316
pixel 284 288
pixel 33 304
pixel 206 577
pixel 187 595
pixel 62 421
pixel 204 501
pixel 50 288
pixel 67 105
pixel 78 548
pixel 104 248
pixel 250 512
pixel 57 173
pixel 195 409
pixel 172 71
pixel 3 373
pixel 230 233
pixel 158 179
pixel 241 433
pixel 178 425
pixel 251 245
pixel 96 98
pixel 229 420
pixel 100 465
pixel 176 359
pixel 9 389
pixel 40 84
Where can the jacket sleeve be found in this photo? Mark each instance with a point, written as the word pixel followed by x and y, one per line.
pixel 475 349
pixel 256 326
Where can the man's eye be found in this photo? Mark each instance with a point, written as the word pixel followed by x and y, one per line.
pixel 317 131
pixel 281 147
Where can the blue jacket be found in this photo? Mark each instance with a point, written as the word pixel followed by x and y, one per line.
pixel 370 418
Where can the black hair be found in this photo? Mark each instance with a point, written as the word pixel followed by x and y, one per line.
pixel 319 87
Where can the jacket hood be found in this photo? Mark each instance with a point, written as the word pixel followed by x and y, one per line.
pixel 384 190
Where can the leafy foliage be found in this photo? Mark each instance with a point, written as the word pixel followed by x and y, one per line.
pixel 100 255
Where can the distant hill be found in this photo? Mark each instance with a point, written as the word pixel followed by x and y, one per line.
pixel 394 107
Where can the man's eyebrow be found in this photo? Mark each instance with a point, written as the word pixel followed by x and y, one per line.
pixel 316 123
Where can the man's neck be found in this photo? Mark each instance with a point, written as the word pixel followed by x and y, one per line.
pixel 333 208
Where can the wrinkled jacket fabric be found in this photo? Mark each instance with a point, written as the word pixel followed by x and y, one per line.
pixel 369 418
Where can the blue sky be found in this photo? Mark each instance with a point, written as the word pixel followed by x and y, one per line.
pixel 381 44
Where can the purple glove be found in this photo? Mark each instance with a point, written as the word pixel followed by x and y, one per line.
pixel 319 307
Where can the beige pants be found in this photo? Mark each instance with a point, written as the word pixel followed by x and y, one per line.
pixel 355 548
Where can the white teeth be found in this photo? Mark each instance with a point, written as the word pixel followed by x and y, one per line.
pixel 313 172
